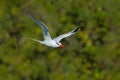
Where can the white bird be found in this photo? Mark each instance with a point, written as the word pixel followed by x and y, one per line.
pixel 48 41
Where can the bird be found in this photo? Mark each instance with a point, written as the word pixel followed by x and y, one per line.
pixel 48 41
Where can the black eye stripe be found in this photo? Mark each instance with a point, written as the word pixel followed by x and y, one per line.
pixel 57 43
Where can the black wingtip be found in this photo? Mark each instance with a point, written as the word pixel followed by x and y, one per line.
pixel 75 30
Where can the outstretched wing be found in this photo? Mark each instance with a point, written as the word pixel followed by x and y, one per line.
pixel 57 39
pixel 43 26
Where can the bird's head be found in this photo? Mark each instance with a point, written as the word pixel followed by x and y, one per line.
pixel 60 45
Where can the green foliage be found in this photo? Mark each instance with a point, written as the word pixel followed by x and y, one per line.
pixel 93 53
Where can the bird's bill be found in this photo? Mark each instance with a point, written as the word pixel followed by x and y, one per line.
pixel 61 46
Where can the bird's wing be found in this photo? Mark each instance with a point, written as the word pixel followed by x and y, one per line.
pixel 57 39
pixel 43 26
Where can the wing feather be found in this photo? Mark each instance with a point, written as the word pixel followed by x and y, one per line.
pixel 57 39
pixel 43 26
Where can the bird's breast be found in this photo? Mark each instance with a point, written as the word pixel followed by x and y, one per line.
pixel 50 43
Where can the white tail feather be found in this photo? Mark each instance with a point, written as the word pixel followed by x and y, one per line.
pixel 34 39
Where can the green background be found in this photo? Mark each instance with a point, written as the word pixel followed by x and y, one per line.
pixel 93 53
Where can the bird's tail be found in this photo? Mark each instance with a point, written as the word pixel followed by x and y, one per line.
pixel 33 39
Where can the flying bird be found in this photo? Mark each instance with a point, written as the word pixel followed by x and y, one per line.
pixel 48 41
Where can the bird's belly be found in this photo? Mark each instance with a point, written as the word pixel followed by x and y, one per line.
pixel 50 44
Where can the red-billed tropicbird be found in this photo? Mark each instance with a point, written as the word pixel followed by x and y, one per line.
pixel 48 41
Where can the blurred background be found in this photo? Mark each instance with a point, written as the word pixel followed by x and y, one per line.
pixel 93 53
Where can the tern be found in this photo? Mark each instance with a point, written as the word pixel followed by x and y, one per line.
pixel 48 41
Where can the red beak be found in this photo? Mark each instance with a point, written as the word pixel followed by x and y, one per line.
pixel 61 46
